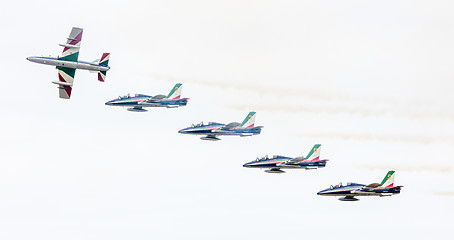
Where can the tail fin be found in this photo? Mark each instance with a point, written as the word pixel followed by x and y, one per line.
pixel 388 181
pixel 175 93
pixel 104 61
pixel 102 76
pixel 249 121
pixel 314 154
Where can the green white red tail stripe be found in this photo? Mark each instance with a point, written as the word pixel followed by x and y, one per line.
pixel 249 121
pixel 104 59
pixel 314 154
pixel 102 76
pixel 175 93
pixel 388 181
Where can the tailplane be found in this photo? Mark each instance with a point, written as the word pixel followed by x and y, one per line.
pixel 104 61
pixel 249 121
pixel 388 181
pixel 175 93
pixel 314 154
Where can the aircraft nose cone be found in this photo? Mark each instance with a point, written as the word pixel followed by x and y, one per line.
pixel 182 131
pixel 321 192
pixel 247 164
pixel 109 103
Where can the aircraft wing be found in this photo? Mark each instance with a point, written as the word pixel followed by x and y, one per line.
pixel 219 131
pixel 65 81
pixel 230 126
pixel 156 99
pixel 370 187
pixel 71 48
pixel 274 170
pixel 210 137
pixel 294 160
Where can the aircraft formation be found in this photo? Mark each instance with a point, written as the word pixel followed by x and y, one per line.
pixel 68 62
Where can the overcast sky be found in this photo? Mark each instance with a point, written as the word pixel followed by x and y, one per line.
pixel 369 80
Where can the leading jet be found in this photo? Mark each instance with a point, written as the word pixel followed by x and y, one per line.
pixel 349 191
pixel 213 129
pixel 67 63
pixel 139 101
pixel 275 163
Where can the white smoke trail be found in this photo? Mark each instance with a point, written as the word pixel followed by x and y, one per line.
pixel 286 99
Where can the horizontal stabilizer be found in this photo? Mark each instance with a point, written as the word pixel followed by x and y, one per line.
pixel 63 83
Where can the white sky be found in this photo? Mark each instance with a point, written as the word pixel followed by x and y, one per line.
pixel 369 80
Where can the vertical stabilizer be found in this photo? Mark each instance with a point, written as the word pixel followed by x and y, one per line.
pixel 388 181
pixel 175 93
pixel 102 76
pixel 314 154
pixel 249 121
pixel 104 61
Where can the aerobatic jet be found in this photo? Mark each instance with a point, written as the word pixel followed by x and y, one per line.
pixel 67 63
pixel 139 101
pixel 213 129
pixel 349 191
pixel 275 163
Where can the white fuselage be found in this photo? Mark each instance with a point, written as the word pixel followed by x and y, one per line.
pixel 67 64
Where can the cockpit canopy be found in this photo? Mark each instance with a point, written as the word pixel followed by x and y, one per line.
pixel 123 97
pixel 197 125
pixel 262 158
pixel 129 96
pixel 336 186
pixel 343 185
pixel 203 124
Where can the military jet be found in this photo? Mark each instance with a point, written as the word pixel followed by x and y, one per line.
pixel 213 129
pixel 275 163
pixel 351 190
pixel 68 62
pixel 139 101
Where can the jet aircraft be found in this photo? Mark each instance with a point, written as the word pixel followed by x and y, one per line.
pixel 139 101
pixel 351 190
pixel 275 163
pixel 68 62
pixel 213 129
